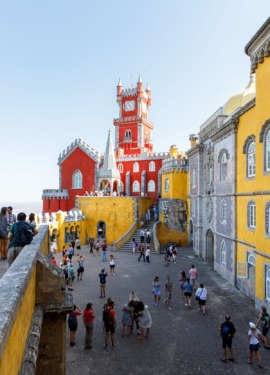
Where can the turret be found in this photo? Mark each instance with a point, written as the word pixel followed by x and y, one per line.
pixel 119 91
pixel 193 140
pixel 149 94
pixel 140 87
pixel 173 151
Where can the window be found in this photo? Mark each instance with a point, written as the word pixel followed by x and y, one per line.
pixel 223 213
pixel 251 160
pixel 136 187
pixel 223 167
pixel 223 253
pixel 193 178
pixel 151 186
pixel 128 135
pixel 136 167
pixel 120 168
pixel 77 180
pixel 267 284
pixel 251 215
pixel 267 151
pixel 267 218
pixel 152 166
pixel 167 185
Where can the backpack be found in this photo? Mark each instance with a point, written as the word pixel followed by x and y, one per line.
pixel 24 234
pixel 106 316
pixel 265 321
pixel 72 322
pixel 225 330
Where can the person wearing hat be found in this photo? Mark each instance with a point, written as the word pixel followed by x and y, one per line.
pixel 254 336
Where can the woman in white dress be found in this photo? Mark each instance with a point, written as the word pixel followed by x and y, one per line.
pixel 145 321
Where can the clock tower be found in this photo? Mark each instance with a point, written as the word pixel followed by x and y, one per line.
pixel 133 130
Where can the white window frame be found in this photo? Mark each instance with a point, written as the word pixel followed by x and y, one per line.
pixel 223 167
pixel 120 168
pixel 77 180
pixel 193 178
pixel 267 151
pixel 251 215
pixel 152 166
pixel 251 159
pixel 136 187
pixel 223 212
pixel 267 284
pixel 136 167
pixel 151 186
pixel 166 185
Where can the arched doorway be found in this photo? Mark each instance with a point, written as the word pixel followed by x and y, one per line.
pixel 190 237
pixel 101 230
pixel 210 246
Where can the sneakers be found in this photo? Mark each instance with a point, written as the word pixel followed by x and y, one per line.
pixel 186 304
pixel 105 347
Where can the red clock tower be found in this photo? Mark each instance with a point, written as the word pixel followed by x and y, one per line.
pixel 133 130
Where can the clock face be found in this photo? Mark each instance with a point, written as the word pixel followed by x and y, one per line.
pixel 130 105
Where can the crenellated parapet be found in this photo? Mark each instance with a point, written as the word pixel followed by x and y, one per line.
pixel 144 156
pixel 95 155
pixel 171 165
pixel 55 194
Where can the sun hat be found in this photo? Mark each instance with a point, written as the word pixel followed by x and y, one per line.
pixel 252 325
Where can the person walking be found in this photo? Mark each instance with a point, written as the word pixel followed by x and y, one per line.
pixel 142 234
pixel 73 324
pixel 254 336
pixel 102 282
pixel 80 269
pixel 148 236
pixel 91 244
pixel 227 330
pixel 112 265
pixel 264 322
pixel 201 296
pixel 110 324
pixel 188 288
pixel 104 251
pixel 133 245
pixel 88 321
pixel 168 292
pixel 78 245
pixel 97 247
pixel 193 275
pixel 71 276
pixel 4 227
pixel 70 251
pixel 147 255
pixel 156 290
pixel 142 255
pixel 182 280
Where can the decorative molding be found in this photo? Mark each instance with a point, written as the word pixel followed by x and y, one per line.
pixel 250 138
pixel 224 150
pixel 252 193
pixel 209 209
pixel 265 127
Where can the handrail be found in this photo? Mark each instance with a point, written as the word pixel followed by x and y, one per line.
pixel 126 236
pixel 155 237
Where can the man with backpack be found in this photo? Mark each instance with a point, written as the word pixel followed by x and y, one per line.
pixel 110 323
pixel 227 330
pixel 20 234
pixel 264 322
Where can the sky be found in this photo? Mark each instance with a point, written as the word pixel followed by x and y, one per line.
pixel 60 62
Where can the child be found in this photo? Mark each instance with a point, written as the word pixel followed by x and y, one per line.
pixel 112 265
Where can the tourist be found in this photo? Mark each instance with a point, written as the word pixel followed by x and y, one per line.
pixel 71 276
pixel 102 282
pixel 53 259
pixel 264 323
pixel 142 220
pixel 168 292
pixel 110 324
pixel 14 246
pixel 254 336
pixel 147 255
pixel 31 220
pixel 52 249
pixel 141 251
pixel 142 234
pixel 73 243
pixel 88 321
pixel 78 245
pixel 145 321
pixel 91 243
pixel 156 213
pixel 4 227
pixel 64 251
pixel 227 330
pixel 70 252
pixel 112 265
pixel 133 245
pixel 97 247
pixel 188 288
pixel 193 275
pixel 127 318
pixel 182 280
pixel 73 324
pixel 174 254
pixel 156 290
pixel 148 236
pixel 104 251
pixel 80 269
pixel 11 218
pixel 201 296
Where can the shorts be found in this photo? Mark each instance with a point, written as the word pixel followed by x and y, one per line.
pixel 201 302
pixel 110 328
pixel 112 266
pixel 169 295
pixel 265 330
pixel 78 247
pixel 187 294
pixel 102 286
pixel 226 342
pixel 254 347
pixel 80 269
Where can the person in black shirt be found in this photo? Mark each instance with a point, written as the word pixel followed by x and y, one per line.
pixel 102 281
pixel 227 330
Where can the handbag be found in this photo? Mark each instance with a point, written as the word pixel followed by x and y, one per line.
pixel 197 298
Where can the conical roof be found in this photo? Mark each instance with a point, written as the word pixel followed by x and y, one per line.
pixel 109 168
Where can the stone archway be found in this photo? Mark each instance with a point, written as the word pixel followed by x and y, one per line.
pixel 101 230
pixel 209 246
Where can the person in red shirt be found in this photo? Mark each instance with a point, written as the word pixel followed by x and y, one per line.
pixel 110 324
pixel 88 320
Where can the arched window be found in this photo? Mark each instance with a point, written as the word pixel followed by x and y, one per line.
pixel 136 187
pixel 128 135
pixel 251 260
pixel 77 180
pixel 223 212
pixel 120 168
pixel 251 160
pixel 136 167
pixel 267 151
pixel 151 186
pixel 223 167
pixel 267 285
pixel 167 185
pixel 193 178
pixel 251 215
pixel 152 166
pixel 267 219
pixel 223 253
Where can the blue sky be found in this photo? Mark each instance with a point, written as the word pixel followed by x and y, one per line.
pixel 60 62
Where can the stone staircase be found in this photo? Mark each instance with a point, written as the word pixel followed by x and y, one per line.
pixel 127 246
